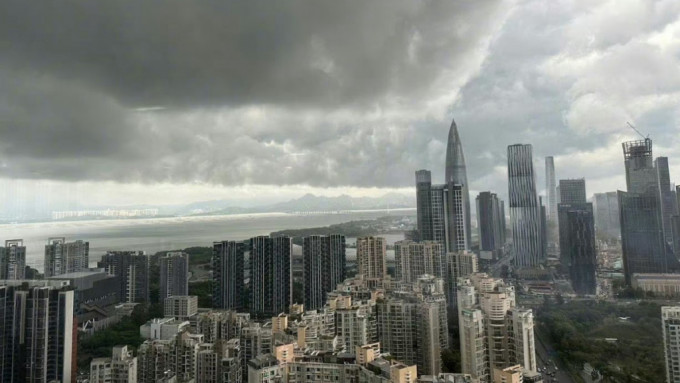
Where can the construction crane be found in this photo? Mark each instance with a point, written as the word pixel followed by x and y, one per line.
pixel 637 131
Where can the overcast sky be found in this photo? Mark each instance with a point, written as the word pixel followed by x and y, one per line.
pixel 177 101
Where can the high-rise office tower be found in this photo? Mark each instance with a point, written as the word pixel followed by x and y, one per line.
pixel 573 199
pixel 640 173
pixel 38 337
pixel 573 191
pixel 63 257
pixel 670 319
pixel 424 204
pixel 606 209
pixel 524 208
pixel 491 224
pixel 132 270
pixel 271 275
pixel 441 213
pixel 543 214
pixel 667 200
pixel 413 259
pixel 323 267
pixel 579 246
pixel 642 237
pixel 13 259
pixel 174 274
pixel 675 225
pixel 227 265
pixel 371 253
pixel 456 224
pixel 550 189
pixel 456 174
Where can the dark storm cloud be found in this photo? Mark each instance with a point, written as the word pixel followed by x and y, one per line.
pixel 330 93
pixel 188 53
pixel 250 89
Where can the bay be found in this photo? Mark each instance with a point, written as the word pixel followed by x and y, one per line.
pixel 171 233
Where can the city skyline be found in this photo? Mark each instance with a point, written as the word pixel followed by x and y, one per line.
pixel 223 191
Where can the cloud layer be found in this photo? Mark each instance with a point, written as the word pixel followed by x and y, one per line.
pixel 331 94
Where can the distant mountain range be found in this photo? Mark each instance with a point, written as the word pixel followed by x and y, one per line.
pixel 306 203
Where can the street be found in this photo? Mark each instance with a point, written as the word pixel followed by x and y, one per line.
pixel 548 362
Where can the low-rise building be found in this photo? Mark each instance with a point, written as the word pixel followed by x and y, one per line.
pixel 512 374
pixel 120 368
pixel 447 378
pixel 661 285
pixel 162 328
pixel 181 307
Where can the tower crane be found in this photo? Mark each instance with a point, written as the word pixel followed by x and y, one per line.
pixel 637 131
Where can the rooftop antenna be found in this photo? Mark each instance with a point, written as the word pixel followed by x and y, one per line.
pixel 637 131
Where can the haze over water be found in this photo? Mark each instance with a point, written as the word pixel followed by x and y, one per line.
pixel 157 234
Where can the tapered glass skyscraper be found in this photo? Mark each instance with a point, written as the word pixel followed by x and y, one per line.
pixel 456 174
pixel 524 208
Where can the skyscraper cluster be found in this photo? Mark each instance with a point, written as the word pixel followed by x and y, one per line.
pixel 443 216
pixel 271 274
pixel 444 210
pixel 494 332
pixel 270 277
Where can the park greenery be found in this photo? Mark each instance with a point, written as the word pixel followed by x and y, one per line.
pixel 377 226
pixel 125 332
pixel 203 290
pixel 622 341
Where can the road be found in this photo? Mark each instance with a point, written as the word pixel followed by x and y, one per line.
pixel 547 357
pixel 495 269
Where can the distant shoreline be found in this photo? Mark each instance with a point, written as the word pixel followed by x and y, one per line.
pixel 205 217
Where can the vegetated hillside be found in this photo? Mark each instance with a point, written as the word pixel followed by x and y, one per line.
pixel 306 203
pixel 382 225
pixel 598 333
